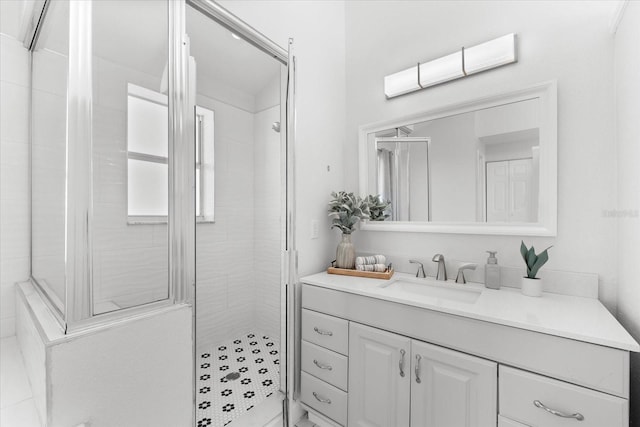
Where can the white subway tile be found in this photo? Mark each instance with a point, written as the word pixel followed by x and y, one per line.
pixel 14 113
pixel 14 66
pixel 7 326
pixel 10 13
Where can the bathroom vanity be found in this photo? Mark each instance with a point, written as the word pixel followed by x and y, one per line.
pixel 416 352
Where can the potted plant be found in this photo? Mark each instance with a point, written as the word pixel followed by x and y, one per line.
pixel 345 211
pixel 377 208
pixel 531 285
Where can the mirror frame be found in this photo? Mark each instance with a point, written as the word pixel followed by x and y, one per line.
pixel 547 223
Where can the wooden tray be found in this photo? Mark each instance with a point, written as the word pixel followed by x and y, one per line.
pixel 370 274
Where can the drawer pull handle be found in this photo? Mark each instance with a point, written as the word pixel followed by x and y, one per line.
pixel 418 358
pixel 322 331
pixel 578 416
pixel 321 399
pixel 401 363
pixel 321 366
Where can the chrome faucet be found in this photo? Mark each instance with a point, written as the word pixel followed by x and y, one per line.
pixel 420 272
pixel 442 270
pixel 467 266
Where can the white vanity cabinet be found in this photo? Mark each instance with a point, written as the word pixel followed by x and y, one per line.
pixel 397 381
pixel 472 371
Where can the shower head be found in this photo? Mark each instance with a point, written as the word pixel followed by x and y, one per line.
pixel 276 126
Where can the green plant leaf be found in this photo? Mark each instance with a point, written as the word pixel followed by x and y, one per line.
pixel 523 251
pixel 531 257
pixel 532 261
pixel 543 257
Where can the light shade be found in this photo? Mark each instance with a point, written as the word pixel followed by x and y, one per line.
pixel 491 54
pixel 402 82
pixel 441 70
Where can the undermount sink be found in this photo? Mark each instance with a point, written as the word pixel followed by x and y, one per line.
pixel 427 288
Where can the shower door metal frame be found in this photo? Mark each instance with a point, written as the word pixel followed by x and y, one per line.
pixel 77 314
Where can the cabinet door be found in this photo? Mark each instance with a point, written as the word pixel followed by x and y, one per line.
pixel 379 378
pixel 451 389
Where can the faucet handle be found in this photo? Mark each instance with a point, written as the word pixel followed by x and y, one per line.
pixel 420 272
pixel 466 266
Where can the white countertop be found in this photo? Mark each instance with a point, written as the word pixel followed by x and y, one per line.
pixel 582 319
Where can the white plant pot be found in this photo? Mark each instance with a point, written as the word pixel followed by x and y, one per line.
pixel 531 287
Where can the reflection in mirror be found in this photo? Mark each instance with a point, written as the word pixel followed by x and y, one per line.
pixel 402 166
pixel 486 166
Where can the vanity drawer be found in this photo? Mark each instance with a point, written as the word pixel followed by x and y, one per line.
pixel 520 389
pixel 326 331
pixel 324 398
pixel 325 364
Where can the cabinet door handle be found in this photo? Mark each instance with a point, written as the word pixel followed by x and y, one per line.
pixel 578 416
pixel 321 366
pixel 322 331
pixel 401 363
pixel 321 399
pixel 418 358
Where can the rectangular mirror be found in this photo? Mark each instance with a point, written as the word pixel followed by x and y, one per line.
pixel 486 166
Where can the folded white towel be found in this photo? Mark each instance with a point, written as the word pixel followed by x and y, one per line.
pixel 370 260
pixel 372 267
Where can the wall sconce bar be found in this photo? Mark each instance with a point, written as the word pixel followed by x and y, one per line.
pixel 466 61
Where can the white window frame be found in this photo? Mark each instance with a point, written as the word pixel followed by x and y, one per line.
pixel 204 139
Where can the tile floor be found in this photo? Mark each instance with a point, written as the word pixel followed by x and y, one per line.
pixel 255 360
pixel 17 407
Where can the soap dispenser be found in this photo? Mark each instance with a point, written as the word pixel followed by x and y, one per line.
pixel 492 271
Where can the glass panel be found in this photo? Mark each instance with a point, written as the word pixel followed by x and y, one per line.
pixel 238 257
pixel 130 48
pixel 49 153
pixel 147 122
pixel 145 196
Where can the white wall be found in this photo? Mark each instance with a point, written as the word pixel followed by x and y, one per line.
pixel 627 91
pixel 567 41
pixel 318 30
pixel 14 163
pixel 137 372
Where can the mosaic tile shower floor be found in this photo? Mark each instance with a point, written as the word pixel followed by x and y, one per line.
pixel 255 360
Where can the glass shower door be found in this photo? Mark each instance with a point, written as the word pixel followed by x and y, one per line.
pixel 240 240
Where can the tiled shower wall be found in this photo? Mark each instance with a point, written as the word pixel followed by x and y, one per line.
pixel 238 256
pixel 14 166
pixel 224 249
pixel 267 242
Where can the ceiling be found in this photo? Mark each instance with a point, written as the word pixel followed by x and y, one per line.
pixel 226 59
pixel 134 34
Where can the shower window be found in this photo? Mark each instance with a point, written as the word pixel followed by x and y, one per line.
pixel 147 158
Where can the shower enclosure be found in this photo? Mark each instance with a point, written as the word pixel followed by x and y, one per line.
pixel 161 176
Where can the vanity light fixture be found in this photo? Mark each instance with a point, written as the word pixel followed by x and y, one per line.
pixel 402 82
pixel 481 57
